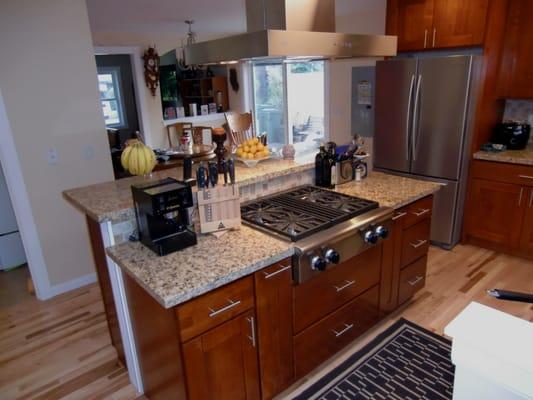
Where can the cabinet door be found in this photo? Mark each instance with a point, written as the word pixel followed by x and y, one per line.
pixel 495 212
pixel 516 71
pixel 222 363
pixel 526 242
pixel 413 23
pixel 458 23
pixel 273 288
pixel 390 264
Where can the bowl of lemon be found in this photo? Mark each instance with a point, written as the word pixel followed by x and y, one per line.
pixel 251 152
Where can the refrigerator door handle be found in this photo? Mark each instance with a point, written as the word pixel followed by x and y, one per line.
pixel 407 117
pixel 415 117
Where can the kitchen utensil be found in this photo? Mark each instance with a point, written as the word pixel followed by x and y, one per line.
pixel 201 176
pixel 231 170
pixel 187 168
pixel 225 171
pixel 213 173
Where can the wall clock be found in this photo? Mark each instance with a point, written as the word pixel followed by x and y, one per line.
pixel 151 69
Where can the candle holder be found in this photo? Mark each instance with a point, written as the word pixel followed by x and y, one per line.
pixel 219 137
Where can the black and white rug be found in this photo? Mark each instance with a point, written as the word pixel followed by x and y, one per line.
pixel 405 362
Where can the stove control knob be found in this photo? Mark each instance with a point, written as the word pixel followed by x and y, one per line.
pixel 370 236
pixel 318 263
pixel 382 231
pixel 332 256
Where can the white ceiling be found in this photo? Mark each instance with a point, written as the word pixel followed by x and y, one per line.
pixel 167 16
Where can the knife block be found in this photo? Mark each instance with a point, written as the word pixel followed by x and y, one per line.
pixel 219 208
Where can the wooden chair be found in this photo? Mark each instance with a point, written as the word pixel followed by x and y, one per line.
pixel 198 133
pixel 240 127
pixel 179 128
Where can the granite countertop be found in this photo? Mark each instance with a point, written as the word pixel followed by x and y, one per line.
pixel 112 200
pixel 389 190
pixel 523 157
pixel 213 262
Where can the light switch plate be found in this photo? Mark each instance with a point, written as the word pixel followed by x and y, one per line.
pixel 52 157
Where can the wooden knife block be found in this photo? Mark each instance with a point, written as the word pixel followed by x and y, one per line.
pixel 219 208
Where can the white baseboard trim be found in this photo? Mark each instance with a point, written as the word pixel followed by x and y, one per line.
pixel 71 285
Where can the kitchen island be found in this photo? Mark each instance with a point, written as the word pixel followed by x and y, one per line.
pixel 184 277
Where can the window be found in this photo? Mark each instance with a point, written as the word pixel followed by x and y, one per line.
pixel 111 97
pixel 289 103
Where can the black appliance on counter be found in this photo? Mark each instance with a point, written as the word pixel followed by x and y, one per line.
pixel 513 135
pixel 162 209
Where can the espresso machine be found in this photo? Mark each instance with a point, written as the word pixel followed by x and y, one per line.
pixel 163 209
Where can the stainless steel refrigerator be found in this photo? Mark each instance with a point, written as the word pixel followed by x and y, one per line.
pixel 424 111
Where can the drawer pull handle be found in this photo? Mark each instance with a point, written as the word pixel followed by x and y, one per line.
pixel 421 212
pixel 231 304
pixel 279 271
pixel 418 243
pixel 346 328
pixel 341 288
pixel 525 176
pixel 415 280
pixel 252 330
pixel 399 215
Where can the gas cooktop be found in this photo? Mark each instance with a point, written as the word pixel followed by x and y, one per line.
pixel 303 211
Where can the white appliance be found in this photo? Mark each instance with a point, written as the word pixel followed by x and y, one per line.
pixel 11 248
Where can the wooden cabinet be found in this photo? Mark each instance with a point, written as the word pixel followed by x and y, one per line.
pixel 499 213
pixel 331 289
pixel 516 71
pixel 430 24
pixel 496 212
pixel 526 240
pixel 222 363
pixel 405 254
pixel 273 291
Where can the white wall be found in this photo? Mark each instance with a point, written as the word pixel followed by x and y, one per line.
pixel 352 16
pixel 48 84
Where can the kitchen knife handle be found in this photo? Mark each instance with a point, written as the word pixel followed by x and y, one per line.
pixel 213 173
pixel 201 176
pixel 224 165
pixel 508 295
pixel 187 168
pixel 231 169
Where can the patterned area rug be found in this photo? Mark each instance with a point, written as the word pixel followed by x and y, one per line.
pixel 406 362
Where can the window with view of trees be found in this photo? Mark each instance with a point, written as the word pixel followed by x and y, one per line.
pixel 110 97
pixel 289 103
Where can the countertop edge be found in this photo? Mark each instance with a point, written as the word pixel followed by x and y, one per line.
pixel 499 158
pixel 418 196
pixel 215 284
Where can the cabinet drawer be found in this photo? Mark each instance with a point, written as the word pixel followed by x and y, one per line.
pixel 415 242
pixel 418 211
pixel 212 309
pixel 412 279
pixel 335 287
pixel 329 335
pixel 507 173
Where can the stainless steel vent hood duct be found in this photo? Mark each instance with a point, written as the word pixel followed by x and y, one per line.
pixel 290 29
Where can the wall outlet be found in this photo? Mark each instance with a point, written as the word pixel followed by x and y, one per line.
pixel 88 152
pixel 52 157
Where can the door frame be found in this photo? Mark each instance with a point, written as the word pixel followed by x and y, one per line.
pixel 136 54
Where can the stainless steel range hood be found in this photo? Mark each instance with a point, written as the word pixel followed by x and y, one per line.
pixel 290 29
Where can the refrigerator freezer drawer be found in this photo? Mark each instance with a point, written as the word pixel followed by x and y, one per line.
pixel 11 251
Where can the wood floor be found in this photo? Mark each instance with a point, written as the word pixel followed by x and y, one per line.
pixel 61 348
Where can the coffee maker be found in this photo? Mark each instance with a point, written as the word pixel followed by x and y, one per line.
pixel 163 209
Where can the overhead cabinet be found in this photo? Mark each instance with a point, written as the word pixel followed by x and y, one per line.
pixel 435 24
pixel 516 72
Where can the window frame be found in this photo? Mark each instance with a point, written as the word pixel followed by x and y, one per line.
pixel 117 89
pixel 285 63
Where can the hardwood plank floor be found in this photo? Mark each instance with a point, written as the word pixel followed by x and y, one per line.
pixel 454 279
pixel 61 348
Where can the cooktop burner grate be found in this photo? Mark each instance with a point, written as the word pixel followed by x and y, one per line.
pixel 303 211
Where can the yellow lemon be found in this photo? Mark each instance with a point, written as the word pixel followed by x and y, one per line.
pixel 256 140
pixel 253 149
pixel 259 146
pixel 246 149
pixel 266 153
